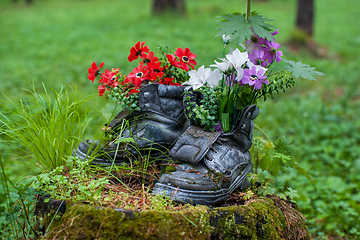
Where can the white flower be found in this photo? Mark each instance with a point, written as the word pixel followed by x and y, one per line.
pixel 223 66
pixel 258 67
pixel 237 58
pixel 214 78
pixel 226 39
pixel 203 75
pixel 240 73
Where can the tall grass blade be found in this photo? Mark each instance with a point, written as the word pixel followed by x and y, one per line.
pixel 48 126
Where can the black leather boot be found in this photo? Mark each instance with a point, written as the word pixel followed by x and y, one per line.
pixel 211 164
pixel 159 123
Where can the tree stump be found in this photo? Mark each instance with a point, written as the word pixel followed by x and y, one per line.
pixel 259 218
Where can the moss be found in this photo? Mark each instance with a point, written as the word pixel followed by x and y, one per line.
pixel 86 222
pixel 257 219
pixel 170 168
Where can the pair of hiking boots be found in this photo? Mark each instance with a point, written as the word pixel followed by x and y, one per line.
pixel 207 166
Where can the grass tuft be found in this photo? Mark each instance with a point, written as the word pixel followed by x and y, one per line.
pixel 48 126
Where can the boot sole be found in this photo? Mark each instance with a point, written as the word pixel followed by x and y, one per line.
pixel 213 198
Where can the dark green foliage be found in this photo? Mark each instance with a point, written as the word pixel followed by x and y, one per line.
pixel 17 216
pixel 204 114
pixel 327 138
pixel 274 157
pixel 236 25
pixel 125 100
pixel 276 83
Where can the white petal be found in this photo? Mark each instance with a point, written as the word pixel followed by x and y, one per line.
pixel 214 78
pixel 238 58
pixel 223 66
pixel 240 73
pixel 250 65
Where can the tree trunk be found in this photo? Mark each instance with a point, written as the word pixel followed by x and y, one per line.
pixel 160 6
pixel 305 16
pixel 27 1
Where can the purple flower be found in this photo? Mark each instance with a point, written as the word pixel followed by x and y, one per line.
pixel 254 77
pixel 271 51
pixel 230 80
pixel 257 57
pixel 218 127
pixel 255 42
pixel 276 32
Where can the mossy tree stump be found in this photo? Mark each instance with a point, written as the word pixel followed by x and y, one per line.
pixel 261 218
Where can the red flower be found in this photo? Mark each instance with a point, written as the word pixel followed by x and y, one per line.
pixel 108 77
pixel 94 71
pixel 150 58
pixel 138 75
pixel 134 90
pixel 101 90
pixel 186 58
pixel 155 71
pixel 173 61
pixel 168 81
pixel 136 51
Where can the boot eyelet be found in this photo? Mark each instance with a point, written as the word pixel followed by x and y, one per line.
pixel 248 114
pixel 146 114
pixel 243 126
pixel 146 94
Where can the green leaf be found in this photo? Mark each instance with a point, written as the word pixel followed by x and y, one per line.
pixel 224 100
pixel 224 119
pixel 240 29
pixel 124 140
pixel 299 69
pixel 235 25
pixel 291 193
pixel 262 29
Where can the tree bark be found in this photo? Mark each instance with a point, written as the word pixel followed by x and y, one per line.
pixel 27 1
pixel 305 16
pixel 160 6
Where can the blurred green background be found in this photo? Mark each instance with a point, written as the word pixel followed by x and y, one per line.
pixel 54 42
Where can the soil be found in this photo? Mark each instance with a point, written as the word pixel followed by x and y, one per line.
pixel 138 189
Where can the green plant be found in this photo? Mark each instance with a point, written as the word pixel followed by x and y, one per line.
pixel 17 220
pixel 205 113
pixel 49 127
pixel 327 148
pixel 75 181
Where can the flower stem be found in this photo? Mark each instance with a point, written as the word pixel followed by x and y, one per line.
pixel 257 127
pixel 248 9
pixel 277 72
